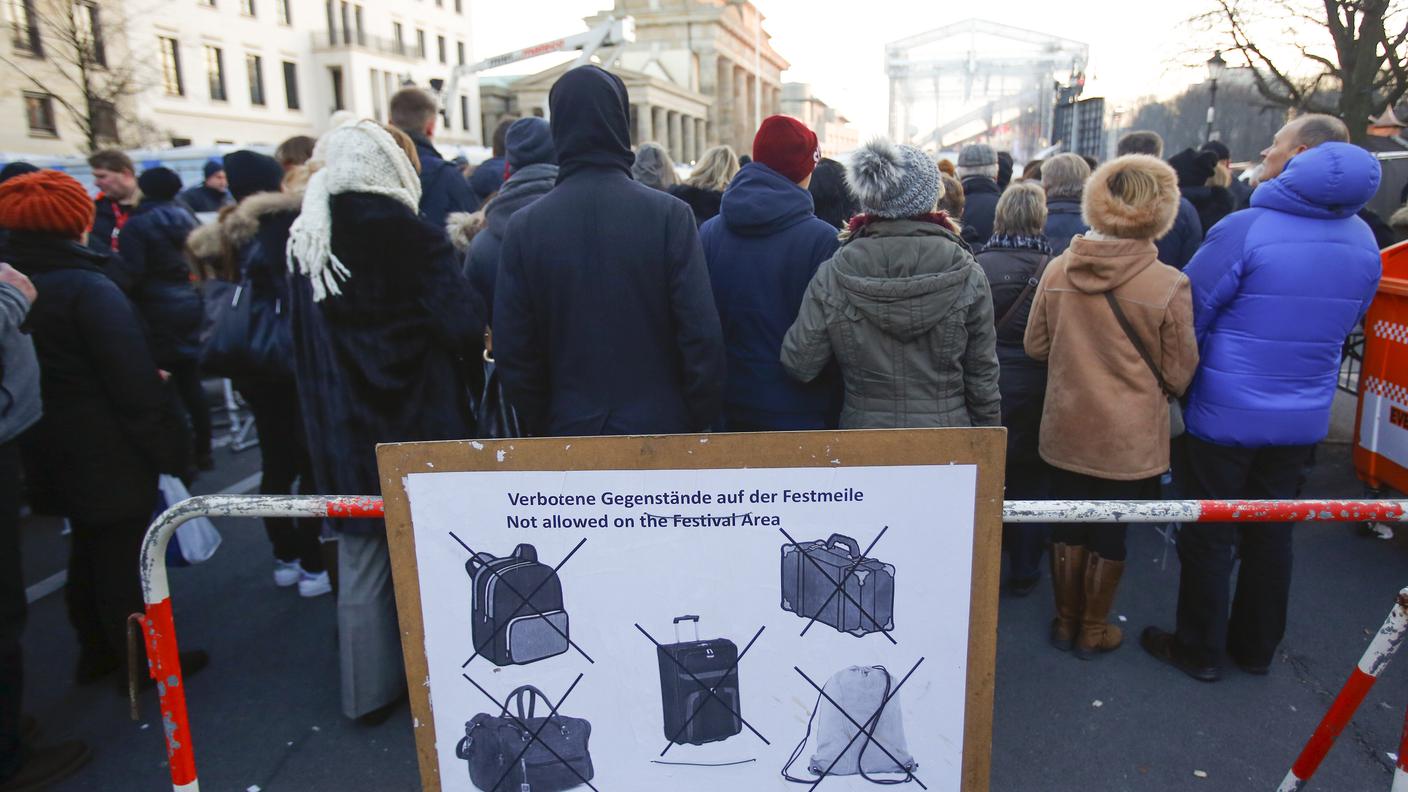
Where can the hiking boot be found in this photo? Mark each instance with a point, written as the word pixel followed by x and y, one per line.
pixel 1101 582
pixel 44 767
pixel 1164 646
pixel 1067 565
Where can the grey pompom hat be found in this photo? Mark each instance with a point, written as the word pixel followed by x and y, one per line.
pixel 894 181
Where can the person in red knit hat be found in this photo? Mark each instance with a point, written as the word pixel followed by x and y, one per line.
pixel 762 249
pixel 107 431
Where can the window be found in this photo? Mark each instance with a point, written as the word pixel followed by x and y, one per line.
pixel 247 7
pixel 346 28
pixel 291 84
pixel 376 95
pixel 332 23
pixel 459 52
pixel 215 73
pixel 464 113
pixel 103 115
pixel 26 31
pixel 171 67
pixel 420 44
pixel 207 3
pixel 439 3
pixel 398 38
pixel 281 10
pixel 88 32
pixel 440 47
pixel 336 72
pixel 39 108
pixel 459 6
pixel 361 31
pixel 254 67
pixel 178 142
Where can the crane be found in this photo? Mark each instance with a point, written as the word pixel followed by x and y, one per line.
pixel 610 32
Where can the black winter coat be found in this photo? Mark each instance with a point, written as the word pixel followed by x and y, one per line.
pixel 443 188
pixel 396 357
pixel 482 261
pixel 108 219
pixel 1176 248
pixel 110 425
pixel 204 199
pixel 1212 204
pixel 151 268
pixel 1022 381
pixel 604 319
pixel 980 196
pixel 704 203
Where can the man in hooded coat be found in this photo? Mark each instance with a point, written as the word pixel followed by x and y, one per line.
pixel 604 319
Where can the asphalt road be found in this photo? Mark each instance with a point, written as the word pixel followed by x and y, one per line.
pixel 265 713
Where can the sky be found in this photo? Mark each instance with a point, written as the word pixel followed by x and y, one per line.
pixel 1136 49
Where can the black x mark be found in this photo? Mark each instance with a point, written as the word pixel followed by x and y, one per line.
pixel 709 691
pixel 522 603
pixel 861 730
pixel 552 711
pixel 841 585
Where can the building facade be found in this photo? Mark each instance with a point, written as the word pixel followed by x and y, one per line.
pixel 250 72
pixel 834 132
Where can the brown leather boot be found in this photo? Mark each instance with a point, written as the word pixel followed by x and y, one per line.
pixel 1102 580
pixel 1067 583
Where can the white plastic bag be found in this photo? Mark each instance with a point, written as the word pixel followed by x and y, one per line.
pixel 196 540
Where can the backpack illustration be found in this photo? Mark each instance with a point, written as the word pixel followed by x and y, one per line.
pixel 518 614
pixel 861 691
pixel 831 581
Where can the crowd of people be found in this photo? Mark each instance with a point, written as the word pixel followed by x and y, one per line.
pixel 1093 309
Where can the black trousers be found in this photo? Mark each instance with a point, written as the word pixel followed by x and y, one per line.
pixel 104 586
pixel 1207 552
pixel 1025 542
pixel 283 452
pixel 12 610
pixel 1104 539
pixel 186 375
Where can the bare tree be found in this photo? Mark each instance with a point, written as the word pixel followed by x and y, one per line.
pixel 67 42
pixel 1363 69
pixel 1246 121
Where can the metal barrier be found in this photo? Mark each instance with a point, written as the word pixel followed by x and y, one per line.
pixel 159 628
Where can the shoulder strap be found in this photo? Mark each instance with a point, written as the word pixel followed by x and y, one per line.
pixel 1138 345
pixel 1022 298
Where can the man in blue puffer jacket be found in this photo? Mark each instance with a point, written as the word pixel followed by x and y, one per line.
pixel 763 249
pixel 1276 288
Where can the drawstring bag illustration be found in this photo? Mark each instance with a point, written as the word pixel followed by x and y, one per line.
pixel 877 747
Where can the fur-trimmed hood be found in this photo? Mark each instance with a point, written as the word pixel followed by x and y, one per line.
pixel 1113 217
pixel 462 227
pixel 238 225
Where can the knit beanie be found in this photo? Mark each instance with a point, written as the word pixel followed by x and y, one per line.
pixel 787 146
pixel 529 142
pixel 159 184
pixel 893 181
pixel 47 201
pixel 250 172
pixel 212 167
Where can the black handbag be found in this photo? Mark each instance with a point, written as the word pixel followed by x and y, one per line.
pixel 246 337
pixel 497 419
pixel 526 752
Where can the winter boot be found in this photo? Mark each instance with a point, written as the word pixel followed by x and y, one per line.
pixel 1067 581
pixel 1102 580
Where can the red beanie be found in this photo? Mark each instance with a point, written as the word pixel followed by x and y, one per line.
pixel 787 146
pixel 46 200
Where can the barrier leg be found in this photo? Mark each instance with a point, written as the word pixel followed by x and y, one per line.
pixel 1380 651
pixel 1400 770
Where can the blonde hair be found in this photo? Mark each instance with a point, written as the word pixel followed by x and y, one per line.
pixel 1221 177
pixel 1064 175
pixel 1021 210
pixel 714 170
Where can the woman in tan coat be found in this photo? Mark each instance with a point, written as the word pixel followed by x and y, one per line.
pixel 1105 425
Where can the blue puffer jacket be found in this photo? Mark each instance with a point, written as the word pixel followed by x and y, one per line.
pixel 1276 288
pixel 763 249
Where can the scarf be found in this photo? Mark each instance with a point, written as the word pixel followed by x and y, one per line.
pixel 1018 242
pixel 861 221
pixel 357 158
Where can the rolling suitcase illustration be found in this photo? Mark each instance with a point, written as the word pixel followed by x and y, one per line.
pixel 692 715
pixel 811 573
pixel 507 628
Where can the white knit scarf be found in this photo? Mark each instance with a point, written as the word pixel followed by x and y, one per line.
pixel 356 158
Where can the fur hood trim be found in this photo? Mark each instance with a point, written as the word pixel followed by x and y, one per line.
pixel 1113 217
pixel 238 224
pixel 462 226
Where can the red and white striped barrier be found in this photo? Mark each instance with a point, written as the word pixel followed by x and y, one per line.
pixel 159 629
pixel 1400 769
pixel 1380 651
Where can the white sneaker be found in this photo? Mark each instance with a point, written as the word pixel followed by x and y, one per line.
pixel 310 585
pixel 287 573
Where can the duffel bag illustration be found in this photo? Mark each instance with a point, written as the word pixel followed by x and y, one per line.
pixel 546 753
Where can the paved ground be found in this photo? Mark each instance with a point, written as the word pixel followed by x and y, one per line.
pixel 265 714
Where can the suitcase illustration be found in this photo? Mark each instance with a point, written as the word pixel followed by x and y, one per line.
pixel 811 573
pixel 507 629
pixel 692 715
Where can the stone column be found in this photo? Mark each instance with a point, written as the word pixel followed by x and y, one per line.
pixel 699 138
pixel 661 128
pixel 676 138
pixel 742 110
pixel 723 103
pixel 645 126
pixel 690 153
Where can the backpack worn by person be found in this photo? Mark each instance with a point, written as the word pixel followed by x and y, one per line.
pixel 518 614
pixel 841 749
pixel 525 752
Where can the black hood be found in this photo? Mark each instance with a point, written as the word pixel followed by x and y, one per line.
pixel 591 125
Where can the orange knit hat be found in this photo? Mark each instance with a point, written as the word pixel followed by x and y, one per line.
pixel 46 200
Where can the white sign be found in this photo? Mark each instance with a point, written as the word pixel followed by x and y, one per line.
pixel 803 580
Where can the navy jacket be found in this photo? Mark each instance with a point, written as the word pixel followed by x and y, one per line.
pixel 482 261
pixel 763 249
pixel 203 199
pixel 1177 247
pixel 980 196
pixel 604 322
pixel 108 218
pixel 1276 289
pixel 487 178
pixel 442 187
pixel 1063 221
pixel 151 268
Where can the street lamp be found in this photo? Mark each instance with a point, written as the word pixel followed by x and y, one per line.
pixel 1216 66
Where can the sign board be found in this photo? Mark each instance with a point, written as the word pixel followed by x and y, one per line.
pixel 843 586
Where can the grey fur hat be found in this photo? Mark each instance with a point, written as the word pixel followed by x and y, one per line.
pixel 894 181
